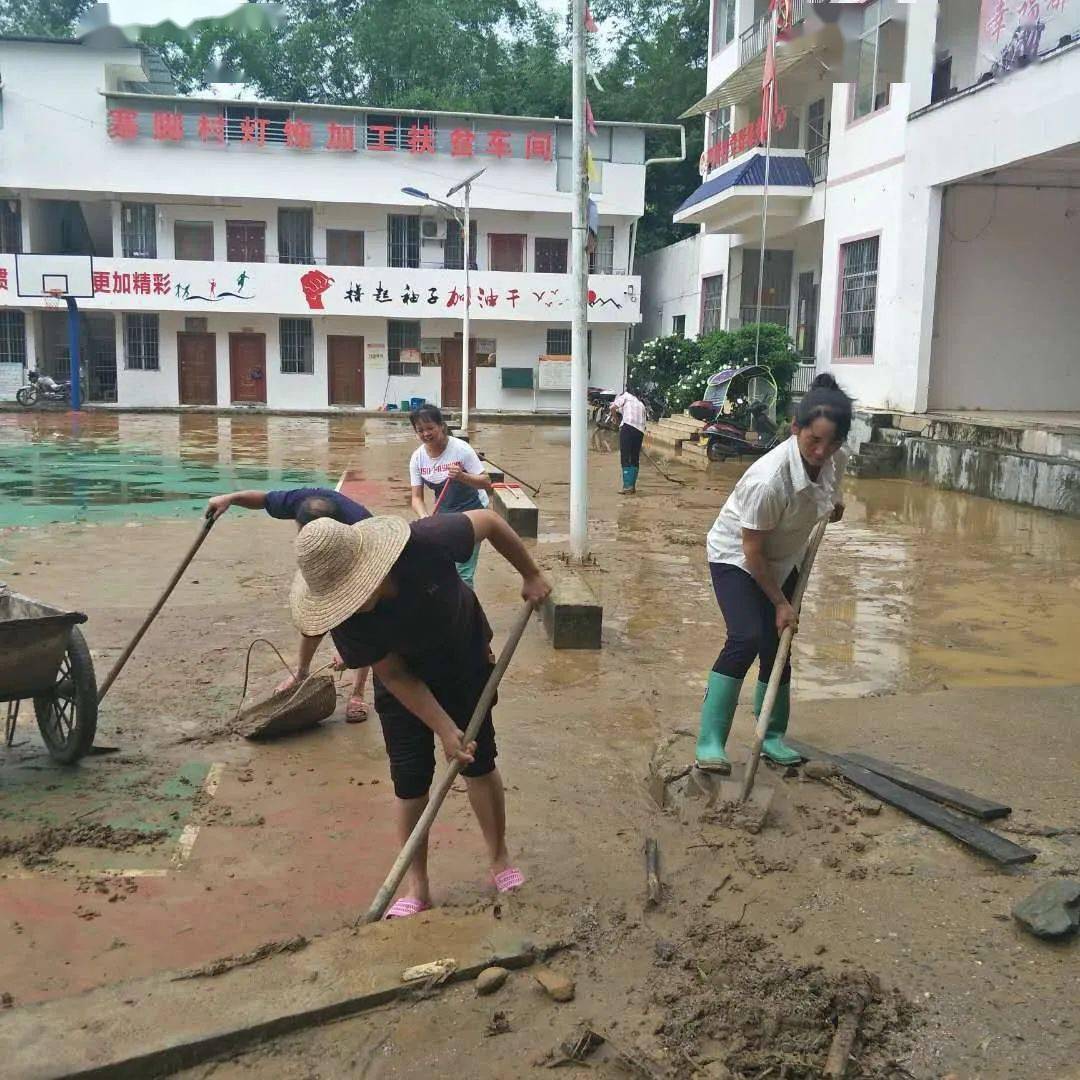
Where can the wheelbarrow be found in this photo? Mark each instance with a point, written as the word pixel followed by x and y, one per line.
pixel 44 656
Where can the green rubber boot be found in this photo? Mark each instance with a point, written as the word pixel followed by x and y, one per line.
pixel 774 747
pixel 717 713
pixel 629 479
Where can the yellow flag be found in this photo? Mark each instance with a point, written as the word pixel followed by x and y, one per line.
pixel 590 167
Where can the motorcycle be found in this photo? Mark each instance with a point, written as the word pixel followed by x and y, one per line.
pixel 600 408
pixel 43 388
pixel 739 412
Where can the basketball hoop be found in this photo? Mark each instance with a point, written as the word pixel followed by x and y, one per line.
pixel 54 299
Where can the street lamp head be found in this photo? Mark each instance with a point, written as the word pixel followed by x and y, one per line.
pixel 416 193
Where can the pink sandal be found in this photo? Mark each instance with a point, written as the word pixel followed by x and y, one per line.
pixel 406 906
pixel 356 711
pixel 508 880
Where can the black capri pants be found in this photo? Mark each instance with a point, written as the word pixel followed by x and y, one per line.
pixel 750 617
pixel 630 440
pixel 410 743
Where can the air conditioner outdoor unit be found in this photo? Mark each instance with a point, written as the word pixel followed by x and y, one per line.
pixel 433 228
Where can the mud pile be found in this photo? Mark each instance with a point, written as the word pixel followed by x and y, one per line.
pixel 728 996
pixel 40 846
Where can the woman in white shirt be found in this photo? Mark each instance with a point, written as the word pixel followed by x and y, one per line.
pixel 632 419
pixel 442 459
pixel 755 548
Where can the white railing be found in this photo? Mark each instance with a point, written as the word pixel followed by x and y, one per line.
pixel 803 377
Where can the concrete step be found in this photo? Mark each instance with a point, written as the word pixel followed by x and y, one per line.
pixel 874 468
pixel 683 423
pixel 660 437
pixel 889 435
pixel 884 451
pixel 695 455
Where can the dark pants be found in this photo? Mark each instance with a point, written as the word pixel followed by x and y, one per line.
pixel 751 622
pixel 410 743
pixel 630 440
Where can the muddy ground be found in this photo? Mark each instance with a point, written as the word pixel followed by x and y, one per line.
pixel 939 632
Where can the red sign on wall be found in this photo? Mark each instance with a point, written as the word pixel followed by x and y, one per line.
pixel 124 125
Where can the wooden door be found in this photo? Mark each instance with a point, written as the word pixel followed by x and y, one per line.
pixel 506 251
pixel 450 358
pixel 197 355
pixel 245 241
pixel 345 364
pixel 247 368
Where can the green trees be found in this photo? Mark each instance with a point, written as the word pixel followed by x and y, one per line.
pixel 680 367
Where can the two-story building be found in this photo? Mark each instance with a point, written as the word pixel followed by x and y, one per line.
pixel 264 252
pixel 922 236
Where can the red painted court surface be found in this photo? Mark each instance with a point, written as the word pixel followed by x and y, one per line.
pixel 291 838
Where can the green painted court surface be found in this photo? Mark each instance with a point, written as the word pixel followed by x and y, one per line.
pixel 56 467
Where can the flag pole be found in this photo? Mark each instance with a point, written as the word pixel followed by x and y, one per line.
pixel 770 64
pixel 579 377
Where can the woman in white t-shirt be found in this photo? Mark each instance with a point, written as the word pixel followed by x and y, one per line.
pixel 442 459
pixel 755 548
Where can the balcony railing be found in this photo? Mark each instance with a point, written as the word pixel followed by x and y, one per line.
pixel 752 41
pixel 818 159
pixel 803 377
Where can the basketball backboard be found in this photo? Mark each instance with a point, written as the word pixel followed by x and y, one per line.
pixel 51 275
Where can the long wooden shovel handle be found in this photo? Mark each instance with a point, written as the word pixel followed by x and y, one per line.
pixel 204 532
pixel 782 653
pixel 423 826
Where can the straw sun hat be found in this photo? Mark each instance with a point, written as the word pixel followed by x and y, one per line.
pixel 340 567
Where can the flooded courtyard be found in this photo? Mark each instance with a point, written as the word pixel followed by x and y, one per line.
pixel 939 630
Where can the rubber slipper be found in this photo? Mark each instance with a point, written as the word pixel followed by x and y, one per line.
pixel 508 880
pixel 356 711
pixel 406 906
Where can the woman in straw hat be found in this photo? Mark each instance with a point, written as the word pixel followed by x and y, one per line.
pixel 389 593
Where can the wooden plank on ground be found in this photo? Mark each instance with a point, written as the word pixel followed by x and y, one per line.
pixel 986 809
pixel 968 832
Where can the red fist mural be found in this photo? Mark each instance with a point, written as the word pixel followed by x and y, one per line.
pixel 315 283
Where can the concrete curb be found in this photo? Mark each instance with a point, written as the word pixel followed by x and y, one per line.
pixel 161 1024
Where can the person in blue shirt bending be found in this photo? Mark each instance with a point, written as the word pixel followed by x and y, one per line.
pixel 303 505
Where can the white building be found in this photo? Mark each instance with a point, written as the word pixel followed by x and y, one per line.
pixel 923 230
pixel 264 253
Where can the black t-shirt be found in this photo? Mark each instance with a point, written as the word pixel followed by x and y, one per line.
pixel 435 623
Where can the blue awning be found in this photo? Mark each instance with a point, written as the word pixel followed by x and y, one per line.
pixel 784 171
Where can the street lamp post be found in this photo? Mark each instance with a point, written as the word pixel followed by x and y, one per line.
pixel 465 222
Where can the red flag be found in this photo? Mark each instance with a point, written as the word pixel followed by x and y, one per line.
pixel 590 22
pixel 590 123
pixel 768 82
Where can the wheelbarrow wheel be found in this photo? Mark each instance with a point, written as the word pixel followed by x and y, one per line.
pixel 67 717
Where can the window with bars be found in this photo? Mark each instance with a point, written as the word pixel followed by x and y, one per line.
pixel 403 240
pixel 296 342
pixel 775 287
pixel 10 227
pixel 454 248
pixel 602 260
pixel 294 238
pixel 141 343
pixel 385 130
pixel 401 334
pixel 138 230
pixel 712 301
pixel 558 341
pixel 723 23
pixel 858 298
pixel 269 124
pixel 12 337
pixel 550 256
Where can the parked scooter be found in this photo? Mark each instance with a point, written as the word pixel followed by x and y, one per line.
pixel 43 388
pixel 739 412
